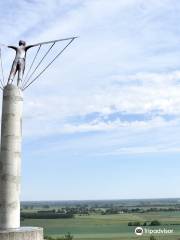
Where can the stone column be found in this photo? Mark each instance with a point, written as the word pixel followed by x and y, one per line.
pixel 10 157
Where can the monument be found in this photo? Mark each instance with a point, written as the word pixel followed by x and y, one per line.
pixel 11 137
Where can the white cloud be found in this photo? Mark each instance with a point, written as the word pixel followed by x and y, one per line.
pixel 155 92
pixel 142 150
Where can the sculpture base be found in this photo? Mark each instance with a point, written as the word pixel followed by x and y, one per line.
pixel 22 233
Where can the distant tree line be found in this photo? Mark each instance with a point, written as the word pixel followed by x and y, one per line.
pixel 45 215
pixel 69 212
pixel 152 223
pixel 116 210
pixel 104 204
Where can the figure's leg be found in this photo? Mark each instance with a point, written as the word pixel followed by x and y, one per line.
pixel 12 72
pixel 21 68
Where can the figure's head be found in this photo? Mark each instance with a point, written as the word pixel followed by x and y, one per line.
pixel 21 42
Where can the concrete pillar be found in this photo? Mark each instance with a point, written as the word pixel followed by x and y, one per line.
pixel 10 157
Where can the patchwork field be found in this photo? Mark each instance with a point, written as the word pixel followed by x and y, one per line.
pixel 108 227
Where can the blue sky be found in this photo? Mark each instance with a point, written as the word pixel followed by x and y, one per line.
pixel 104 121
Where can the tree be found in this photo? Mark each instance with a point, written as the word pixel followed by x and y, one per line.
pixel 68 236
pixel 152 238
pixel 155 223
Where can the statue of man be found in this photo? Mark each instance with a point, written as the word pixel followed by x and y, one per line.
pixel 19 61
pixel 20 57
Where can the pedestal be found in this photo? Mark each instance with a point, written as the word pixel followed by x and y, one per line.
pixel 10 157
pixel 10 169
pixel 23 233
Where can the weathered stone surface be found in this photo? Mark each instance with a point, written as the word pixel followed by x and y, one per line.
pixel 10 168
pixel 23 233
pixel 10 160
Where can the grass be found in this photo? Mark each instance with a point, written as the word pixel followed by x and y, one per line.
pixel 108 227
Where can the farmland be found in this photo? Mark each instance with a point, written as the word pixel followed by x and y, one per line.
pixel 98 226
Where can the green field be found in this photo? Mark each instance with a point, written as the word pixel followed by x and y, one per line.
pixel 108 227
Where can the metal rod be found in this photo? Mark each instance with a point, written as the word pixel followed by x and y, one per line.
pixel 40 62
pixel 1 88
pixel 49 64
pixel 2 85
pixel 24 83
pixel 2 68
pixel 57 40
pixel 33 61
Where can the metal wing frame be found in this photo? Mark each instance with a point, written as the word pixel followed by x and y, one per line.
pixel 29 77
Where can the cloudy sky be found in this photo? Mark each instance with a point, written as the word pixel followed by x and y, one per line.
pixel 104 121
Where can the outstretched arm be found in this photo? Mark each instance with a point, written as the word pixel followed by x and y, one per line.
pixel 13 47
pixel 30 46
